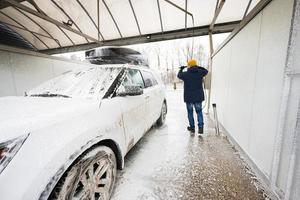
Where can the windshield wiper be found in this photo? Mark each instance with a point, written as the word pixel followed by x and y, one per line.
pixel 50 95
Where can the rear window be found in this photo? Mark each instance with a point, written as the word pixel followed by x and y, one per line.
pixel 149 79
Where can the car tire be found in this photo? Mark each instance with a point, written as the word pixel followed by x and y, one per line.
pixel 162 118
pixel 92 176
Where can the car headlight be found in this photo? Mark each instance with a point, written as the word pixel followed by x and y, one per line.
pixel 8 150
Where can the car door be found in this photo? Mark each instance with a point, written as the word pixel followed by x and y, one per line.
pixel 133 108
pixel 152 96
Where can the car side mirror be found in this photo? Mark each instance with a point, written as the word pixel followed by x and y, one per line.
pixel 130 90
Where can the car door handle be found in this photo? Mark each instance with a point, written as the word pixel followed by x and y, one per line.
pixel 147 97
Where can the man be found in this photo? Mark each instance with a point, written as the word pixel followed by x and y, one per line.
pixel 193 93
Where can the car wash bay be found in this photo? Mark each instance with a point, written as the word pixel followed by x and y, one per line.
pixel 254 81
pixel 169 163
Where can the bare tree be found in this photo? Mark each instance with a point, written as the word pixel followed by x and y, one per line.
pixel 157 52
pixel 199 54
pixel 168 57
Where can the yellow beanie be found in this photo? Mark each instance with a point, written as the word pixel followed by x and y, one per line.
pixel 192 63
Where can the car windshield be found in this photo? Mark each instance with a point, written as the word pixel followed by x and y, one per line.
pixel 91 83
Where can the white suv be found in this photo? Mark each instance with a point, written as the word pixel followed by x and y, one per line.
pixel 67 137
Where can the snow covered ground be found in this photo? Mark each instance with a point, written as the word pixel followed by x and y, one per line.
pixel 168 163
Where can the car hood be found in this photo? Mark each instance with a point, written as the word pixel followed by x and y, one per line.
pixel 23 115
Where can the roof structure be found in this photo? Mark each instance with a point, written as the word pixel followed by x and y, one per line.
pixel 56 26
pixel 9 37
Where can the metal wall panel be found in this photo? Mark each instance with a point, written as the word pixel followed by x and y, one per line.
pixel 20 71
pixel 248 90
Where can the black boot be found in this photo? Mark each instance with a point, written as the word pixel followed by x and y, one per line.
pixel 192 130
pixel 200 130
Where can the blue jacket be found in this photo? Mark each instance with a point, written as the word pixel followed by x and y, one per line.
pixel 192 78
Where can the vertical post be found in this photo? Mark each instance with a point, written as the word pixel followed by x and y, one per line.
pixel 98 19
pixel 219 6
pixel 160 18
pixel 216 119
pixel 209 75
pixel 211 45
pixel 247 9
pixel 173 76
pixel 185 17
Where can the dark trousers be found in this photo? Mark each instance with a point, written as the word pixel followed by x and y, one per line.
pixel 190 109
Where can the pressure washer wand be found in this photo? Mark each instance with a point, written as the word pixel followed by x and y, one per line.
pixel 182 67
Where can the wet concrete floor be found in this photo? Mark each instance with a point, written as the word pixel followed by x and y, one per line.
pixel 168 163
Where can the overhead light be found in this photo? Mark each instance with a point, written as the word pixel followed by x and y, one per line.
pixel 148 37
pixel 69 23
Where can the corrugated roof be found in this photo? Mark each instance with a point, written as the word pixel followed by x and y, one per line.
pixel 10 37
pixel 54 24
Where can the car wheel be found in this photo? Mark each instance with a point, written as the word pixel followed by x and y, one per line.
pixel 162 118
pixel 91 177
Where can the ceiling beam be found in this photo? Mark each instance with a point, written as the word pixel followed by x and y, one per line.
pixel 217 5
pixel 247 8
pixel 69 17
pixel 33 32
pixel 155 37
pixel 67 36
pixel 217 12
pixel 112 17
pixel 160 18
pixel 32 2
pixel 36 23
pixel 20 24
pixel 4 4
pixel 134 14
pixel 49 19
pixel 92 20
pixel 182 9
pixel 185 15
pixel 178 7
pixel 256 10
pixel 24 29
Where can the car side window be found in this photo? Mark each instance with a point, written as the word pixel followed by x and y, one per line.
pixel 127 81
pixel 133 77
pixel 149 79
pixel 136 77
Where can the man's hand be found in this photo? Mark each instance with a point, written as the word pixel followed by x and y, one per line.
pixel 180 73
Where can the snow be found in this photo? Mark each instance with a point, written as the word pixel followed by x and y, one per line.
pixel 168 163
pixel 92 82
pixel 85 87
pixel 63 128
pixel 22 115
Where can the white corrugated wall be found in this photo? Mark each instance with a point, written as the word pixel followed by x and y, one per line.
pixel 247 85
pixel 21 70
